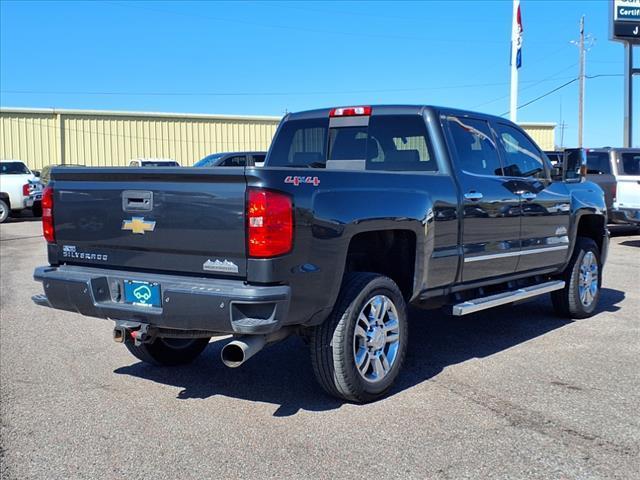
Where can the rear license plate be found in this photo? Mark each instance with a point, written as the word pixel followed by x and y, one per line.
pixel 142 293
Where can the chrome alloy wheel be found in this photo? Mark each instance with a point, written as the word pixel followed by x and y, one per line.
pixel 376 339
pixel 588 281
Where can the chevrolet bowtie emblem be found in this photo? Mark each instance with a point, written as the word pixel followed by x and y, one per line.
pixel 138 225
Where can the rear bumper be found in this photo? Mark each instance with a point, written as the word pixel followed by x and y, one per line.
pixel 221 306
pixel 625 215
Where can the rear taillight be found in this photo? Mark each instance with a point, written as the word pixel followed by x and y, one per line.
pixel 269 223
pixel 26 190
pixel 350 111
pixel 47 215
pixel 614 191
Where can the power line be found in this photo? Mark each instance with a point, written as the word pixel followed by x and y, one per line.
pixel 258 94
pixel 262 24
pixel 561 87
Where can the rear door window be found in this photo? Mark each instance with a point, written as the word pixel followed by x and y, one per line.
pixel 399 143
pixel 475 146
pixel 629 164
pixel 521 157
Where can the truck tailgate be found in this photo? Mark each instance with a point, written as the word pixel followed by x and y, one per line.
pixel 160 219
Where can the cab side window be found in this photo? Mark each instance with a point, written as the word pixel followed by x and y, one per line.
pixel 521 157
pixel 475 146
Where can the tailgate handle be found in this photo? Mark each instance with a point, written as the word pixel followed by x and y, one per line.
pixel 137 201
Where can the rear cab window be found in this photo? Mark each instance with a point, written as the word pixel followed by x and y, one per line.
pixel 629 164
pixel 378 142
pixel 14 168
pixel 598 163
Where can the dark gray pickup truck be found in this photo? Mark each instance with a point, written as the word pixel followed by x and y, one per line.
pixel 358 212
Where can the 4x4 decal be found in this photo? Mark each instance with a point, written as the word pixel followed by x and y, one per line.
pixel 296 180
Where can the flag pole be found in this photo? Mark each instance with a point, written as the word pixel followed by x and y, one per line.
pixel 516 44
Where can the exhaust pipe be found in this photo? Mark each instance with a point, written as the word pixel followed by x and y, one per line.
pixel 238 351
pixel 119 334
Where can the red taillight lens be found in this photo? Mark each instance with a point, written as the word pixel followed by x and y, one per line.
pixel 47 215
pixel 269 223
pixel 26 190
pixel 614 192
pixel 350 111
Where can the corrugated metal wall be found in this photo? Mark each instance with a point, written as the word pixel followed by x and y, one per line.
pixel 114 138
pixel 45 137
pixel 31 137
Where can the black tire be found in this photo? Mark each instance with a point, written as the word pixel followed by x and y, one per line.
pixel 168 351
pixel 36 210
pixel 333 343
pixel 567 302
pixel 4 211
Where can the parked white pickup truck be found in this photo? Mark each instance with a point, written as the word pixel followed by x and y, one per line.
pixel 20 189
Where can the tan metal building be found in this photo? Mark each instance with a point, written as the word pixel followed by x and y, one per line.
pixel 42 137
pixel 543 133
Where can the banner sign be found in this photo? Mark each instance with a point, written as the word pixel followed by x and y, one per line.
pixel 625 20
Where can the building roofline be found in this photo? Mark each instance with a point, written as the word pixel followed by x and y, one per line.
pixel 537 124
pixel 122 113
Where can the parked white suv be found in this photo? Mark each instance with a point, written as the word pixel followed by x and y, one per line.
pixel 20 189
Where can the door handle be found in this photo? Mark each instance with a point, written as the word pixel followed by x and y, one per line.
pixel 528 195
pixel 474 196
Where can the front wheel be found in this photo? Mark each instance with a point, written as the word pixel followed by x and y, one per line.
pixel 357 353
pixel 168 351
pixel 583 279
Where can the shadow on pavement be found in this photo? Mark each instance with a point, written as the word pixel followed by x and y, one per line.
pixel 23 219
pixel 631 243
pixel 622 230
pixel 283 375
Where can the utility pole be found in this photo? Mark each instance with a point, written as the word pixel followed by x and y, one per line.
pixel 629 72
pixel 581 84
pixel 584 44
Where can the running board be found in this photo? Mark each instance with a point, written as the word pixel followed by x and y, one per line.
pixel 491 301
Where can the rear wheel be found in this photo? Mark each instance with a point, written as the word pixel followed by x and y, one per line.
pixel 583 279
pixel 357 353
pixel 168 351
pixel 4 211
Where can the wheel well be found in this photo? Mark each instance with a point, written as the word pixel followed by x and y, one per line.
pixel 388 252
pixel 5 197
pixel 592 226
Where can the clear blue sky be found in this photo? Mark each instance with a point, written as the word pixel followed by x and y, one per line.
pixel 265 58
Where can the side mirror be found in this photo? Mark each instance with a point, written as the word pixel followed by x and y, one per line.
pixel 575 165
pixel 36 173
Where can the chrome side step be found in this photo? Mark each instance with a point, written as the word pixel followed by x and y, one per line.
pixel 482 303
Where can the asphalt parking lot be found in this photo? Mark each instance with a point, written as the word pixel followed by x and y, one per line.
pixel 509 393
